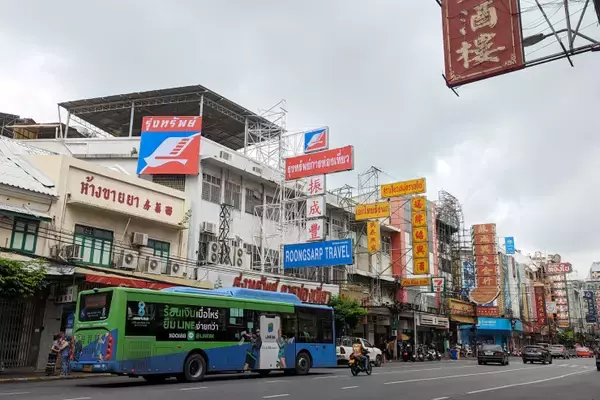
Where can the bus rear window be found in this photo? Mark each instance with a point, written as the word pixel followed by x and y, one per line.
pixel 94 307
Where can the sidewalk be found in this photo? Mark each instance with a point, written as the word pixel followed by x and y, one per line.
pixel 41 376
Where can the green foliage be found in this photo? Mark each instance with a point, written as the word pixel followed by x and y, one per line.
pixel 348 313
pixel 567 338
pixel 20 279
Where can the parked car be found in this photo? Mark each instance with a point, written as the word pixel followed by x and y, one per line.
pixel 559 351
pixel 536 353
pixel 492 353
pixel 584 352
pixel 344 349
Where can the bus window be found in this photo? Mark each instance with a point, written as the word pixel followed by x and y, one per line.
pixel 315 326
pixel 95 307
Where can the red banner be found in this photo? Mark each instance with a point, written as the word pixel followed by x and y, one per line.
pixel 482 38
pixel 488 311
pixel 125 282
pixel 319 163
pixel 540 305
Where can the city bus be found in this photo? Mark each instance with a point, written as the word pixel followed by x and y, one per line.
pixel 186 333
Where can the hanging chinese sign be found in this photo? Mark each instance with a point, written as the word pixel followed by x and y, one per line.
pixel 315 185
pixel 488 311
pixel 315 229
pixel 540 304
pixel 482 38
pixel 487 287
pixel 315 207
pixel 420 237
pixel 373 236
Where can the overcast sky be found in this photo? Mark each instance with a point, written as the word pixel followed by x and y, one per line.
pixel 520 150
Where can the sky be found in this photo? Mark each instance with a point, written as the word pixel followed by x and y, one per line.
pixel 519 150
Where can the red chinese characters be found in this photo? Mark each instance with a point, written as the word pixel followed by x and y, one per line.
pixel 482 38
pixel 540 305
pixel 486 264
pixel 488 311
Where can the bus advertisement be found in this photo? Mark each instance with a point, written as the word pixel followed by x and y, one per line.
pixel 186 333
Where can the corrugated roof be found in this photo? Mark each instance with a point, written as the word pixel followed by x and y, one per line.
pixel 24 211
pixel 15 171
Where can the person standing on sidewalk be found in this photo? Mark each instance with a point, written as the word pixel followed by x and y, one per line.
pixel 65 354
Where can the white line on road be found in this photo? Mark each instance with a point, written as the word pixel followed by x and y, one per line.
pixel 349 387
pixel 527 383
pixel 277 381
pixel 441 398
pixel 79 398
pixel 276 395
pixel 193 388
pixel 459 376
pixel 329 377
pixel 13 393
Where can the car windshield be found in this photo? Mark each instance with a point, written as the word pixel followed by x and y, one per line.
pixel 492 347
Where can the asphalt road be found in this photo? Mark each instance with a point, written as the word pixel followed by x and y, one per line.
pixel 575 379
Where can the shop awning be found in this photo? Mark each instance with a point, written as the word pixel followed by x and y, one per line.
pixel 23 212
pixel 115 280
pixel 462 319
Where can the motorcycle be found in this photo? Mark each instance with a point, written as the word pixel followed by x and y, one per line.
pixel 438 355
pixel 431 354
pixel 357 366
pixel 420 353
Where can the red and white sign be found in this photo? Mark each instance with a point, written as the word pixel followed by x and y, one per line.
pixel 315 207
pixel 438 284
pixel 540 305
pixel 315 229
pixel 482 38
pixel 308 292
pixel 319 163
pixel 316 185
pixel 488 311
pixel 559 268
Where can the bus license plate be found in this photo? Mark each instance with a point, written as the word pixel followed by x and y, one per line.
pixel 489 353
pixel 87 368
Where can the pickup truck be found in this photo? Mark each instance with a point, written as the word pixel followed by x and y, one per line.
pixel 344 349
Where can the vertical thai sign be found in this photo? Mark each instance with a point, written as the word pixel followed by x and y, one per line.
pixel 487 279
pixel 540 305
pixel 482 38
pixel 420 235
pixel 590 302
pixel 373 236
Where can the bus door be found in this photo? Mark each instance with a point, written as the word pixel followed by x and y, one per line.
pixel 270 334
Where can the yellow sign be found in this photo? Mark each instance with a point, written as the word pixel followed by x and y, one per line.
pixel 405 188
pixel 420 266
pixel 372 211
pixel 418 204
pixel 420 234
pixel 419 218
pixel 405 282
pixel 421 250
pixel 373 236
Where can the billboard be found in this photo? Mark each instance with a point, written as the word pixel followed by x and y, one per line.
pixel 488 311
pixel 407 282
pixel 316 140
pixel 558 268
pixel 318 254
pixel 487 273
pixel 319 163
pixel 420 243
pixel 438 285
pixel 372 211
pixel 540 304
pixel 404 188
pixel 482 38
pixel 509 245
pixel 170 145
pixel 590 301
pixel 373 236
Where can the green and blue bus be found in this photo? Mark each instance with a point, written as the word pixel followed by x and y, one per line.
pixel 186 333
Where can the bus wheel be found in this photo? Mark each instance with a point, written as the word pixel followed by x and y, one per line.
pixel 194 368
pixel 302 363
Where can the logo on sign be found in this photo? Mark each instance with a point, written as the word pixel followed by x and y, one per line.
pixel 170 145
pixel 437 285
pixel 316 140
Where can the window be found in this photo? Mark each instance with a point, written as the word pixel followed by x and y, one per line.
pixel 233 195
pixel 386 244
pixel 272 209
pixel 161 249
pixel 315 325
pixel 94 307
pixel 211 188
pixel 253 204
pixel 176 182
pixel 236 316
pixel 96 245
pixel 24 235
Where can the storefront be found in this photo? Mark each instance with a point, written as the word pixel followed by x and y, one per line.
pixel 461 313
pixel 489 331
pixel 432 329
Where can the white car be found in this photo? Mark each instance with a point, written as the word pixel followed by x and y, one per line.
pixel 344 349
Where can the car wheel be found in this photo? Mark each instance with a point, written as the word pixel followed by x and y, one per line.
pixel 598 367
pixel 194 368
pixel 378 361
pixel 524 361
pixel 502 363
pixel 550 362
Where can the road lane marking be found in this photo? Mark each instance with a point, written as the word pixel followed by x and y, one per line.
pixel 13 393
pixel 276 395
pixel 194 388
pixel 441 398
pixel 328 377
pixel 349 387
pixel 79 398
pixel 528 383
pixel 460 376
pixel 277 381
pixel 427 369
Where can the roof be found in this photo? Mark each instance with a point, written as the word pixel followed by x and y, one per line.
pixel 223 120
pixel 15 171
pixel 24 211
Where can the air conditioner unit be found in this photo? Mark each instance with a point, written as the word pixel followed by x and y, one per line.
pixel 72 251
pixel 257 170
pixel 54 251
pixel 129 260
pixel 154 265
pixel 225 155
pixel 241 259
pixel 209 227
pixel 192 273
pixel 177 269
pixel 139 239
pixel 232 252
pixel 212 253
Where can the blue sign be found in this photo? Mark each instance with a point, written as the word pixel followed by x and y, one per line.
pixel 590 301
pixel 70 321
pixel 509 244
pixel 493 324
pixel 316 140
pixel 318 254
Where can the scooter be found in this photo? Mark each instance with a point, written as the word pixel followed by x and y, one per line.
pixel 407 354
pixel 420 353
pixel 431 354
pixel 357 366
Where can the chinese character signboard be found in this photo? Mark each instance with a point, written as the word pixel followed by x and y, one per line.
pixel 316 185
pixel 488 311
pixel 559 268
pixel 559 292
pixel 373 236
pixel 415 186
pixel 540 304
pixel 509 244
pixel 420 242
pixel 170 145
pixel 420 266
pixel 316 140
pixel 487 287
pixel 372 211
pixel 318 254
pixel 407 282
pixel 315 207
pixel 482 38
pixel 315 229
pixel 319 163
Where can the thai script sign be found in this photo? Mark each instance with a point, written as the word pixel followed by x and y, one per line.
pixel 319 163
pixel 372 211
pixel 559 268
pixel 405 188
pixel 408 282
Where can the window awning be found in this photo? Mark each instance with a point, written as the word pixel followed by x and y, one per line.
pixel 115 280
pixel 23 212
pixel 462 319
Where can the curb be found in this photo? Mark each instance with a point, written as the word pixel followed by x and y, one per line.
pixel 50 378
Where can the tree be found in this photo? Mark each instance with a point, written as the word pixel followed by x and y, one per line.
pixel 348 313
pixel 566 338
pixel 20 279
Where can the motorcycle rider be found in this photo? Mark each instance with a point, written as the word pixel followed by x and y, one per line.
pixel 360 353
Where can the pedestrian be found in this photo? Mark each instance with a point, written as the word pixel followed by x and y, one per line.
pixel 63 346
pixel 390 350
